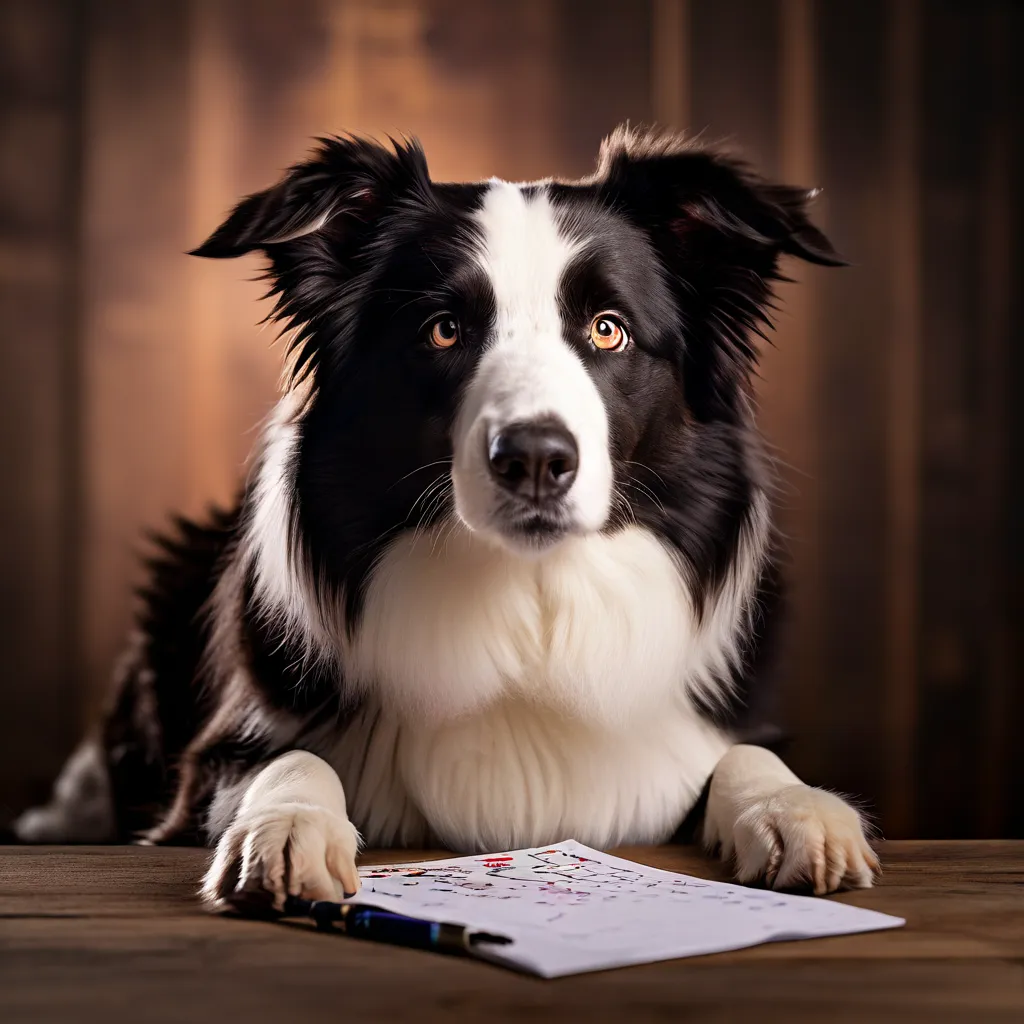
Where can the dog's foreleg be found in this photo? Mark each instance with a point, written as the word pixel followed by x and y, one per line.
pixel 779 830
pixel 290 835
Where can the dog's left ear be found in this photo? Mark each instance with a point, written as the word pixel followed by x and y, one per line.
pixel 671 184
pixel 344 186
pixel 314 226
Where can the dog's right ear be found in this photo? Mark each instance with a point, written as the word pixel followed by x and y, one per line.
pixel 347 182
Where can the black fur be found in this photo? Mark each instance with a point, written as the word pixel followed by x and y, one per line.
pixel 683 242
pixel 160 701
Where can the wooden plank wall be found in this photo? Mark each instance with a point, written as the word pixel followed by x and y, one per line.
pixel 40 88
pixel 133 377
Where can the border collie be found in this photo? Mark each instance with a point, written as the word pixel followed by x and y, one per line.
pixel 504 569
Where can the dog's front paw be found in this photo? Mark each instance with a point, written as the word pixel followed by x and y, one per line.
pixel 290 849
pixel 802 837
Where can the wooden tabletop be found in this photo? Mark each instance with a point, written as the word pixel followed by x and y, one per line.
pixel 115 934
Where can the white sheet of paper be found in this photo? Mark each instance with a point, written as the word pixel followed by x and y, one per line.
pixel 570 909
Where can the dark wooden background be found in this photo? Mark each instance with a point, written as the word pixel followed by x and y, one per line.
pixel 131 377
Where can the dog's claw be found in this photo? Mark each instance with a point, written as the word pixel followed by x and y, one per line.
pixel 801 837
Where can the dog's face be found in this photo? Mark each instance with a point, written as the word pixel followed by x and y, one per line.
pixel 538 361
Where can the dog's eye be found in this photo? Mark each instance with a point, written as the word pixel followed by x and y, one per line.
pixel 444 332
pixel 608 333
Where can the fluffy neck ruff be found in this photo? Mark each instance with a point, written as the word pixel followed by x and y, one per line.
pixel 604 628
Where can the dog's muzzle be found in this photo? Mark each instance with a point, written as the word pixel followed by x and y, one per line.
pixel 531 462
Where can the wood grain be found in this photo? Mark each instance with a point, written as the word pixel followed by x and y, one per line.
pixel 951 618
pixel 903 415
pixel 790 370
pixel 851 390
pixel 133 379
pixel 40 90
pixel 115 934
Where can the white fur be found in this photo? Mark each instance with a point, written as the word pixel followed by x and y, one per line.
pixel 283 583
pixel 774 827
pixel 272 521
pixel 600 628
pixel 291 835
pixel 520 773
pixel 529 699
pixel 528 370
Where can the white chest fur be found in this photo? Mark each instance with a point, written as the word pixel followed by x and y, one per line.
pixel 602 628
pixel 519 774
pixel 513 702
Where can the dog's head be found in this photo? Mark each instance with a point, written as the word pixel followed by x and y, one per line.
pixel 538 360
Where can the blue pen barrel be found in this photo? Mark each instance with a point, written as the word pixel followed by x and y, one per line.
pixel 395 929
pixel 366 923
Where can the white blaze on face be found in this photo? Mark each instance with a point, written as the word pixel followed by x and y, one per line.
pixel 528 371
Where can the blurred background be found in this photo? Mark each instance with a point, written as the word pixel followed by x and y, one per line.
pixel 131 377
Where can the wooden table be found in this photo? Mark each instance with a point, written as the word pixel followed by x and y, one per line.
pixel 114 934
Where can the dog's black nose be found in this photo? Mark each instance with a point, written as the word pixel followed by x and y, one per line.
pixel 536 460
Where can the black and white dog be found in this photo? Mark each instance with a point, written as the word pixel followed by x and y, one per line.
pixel 504 568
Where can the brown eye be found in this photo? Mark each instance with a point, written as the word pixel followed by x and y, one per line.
pixel 608 333
pixel 444 333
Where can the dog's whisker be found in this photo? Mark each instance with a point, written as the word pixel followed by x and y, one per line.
pixel 419 469
pixel 431 510
pixel 644 489
pixel 647 469
pixel 426 494
pixel 428 502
